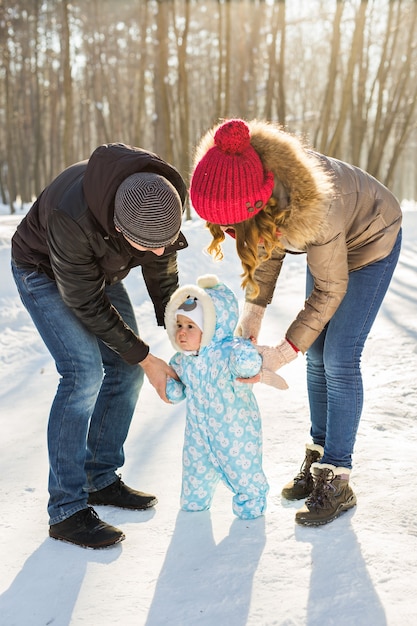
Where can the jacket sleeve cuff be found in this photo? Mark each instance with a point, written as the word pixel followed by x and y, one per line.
pixel 136 354
pixel 292 345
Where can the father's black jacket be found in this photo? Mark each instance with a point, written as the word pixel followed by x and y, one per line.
pixel 69 235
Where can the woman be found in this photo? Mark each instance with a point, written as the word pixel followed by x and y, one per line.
pixel 260 185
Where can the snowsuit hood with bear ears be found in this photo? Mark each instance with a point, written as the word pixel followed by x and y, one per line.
pixel 220 310
pixel 340 216
pixel 223 435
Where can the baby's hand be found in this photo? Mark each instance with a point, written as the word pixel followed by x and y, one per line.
pixel 251 380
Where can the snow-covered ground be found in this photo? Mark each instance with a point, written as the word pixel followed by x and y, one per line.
pixel 188 569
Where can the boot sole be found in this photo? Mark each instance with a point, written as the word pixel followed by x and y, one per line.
pixel 342 509
pixel 89 547
pixel 150 505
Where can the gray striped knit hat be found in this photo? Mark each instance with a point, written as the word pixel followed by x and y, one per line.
pixel 148 210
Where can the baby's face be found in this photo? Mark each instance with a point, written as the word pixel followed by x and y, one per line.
pixel 188 335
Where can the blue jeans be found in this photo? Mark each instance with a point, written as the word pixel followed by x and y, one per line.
pixel 95 399
pixel 334 379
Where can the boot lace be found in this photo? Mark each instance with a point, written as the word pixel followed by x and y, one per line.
pixel 323 490
pixel 304 473
pixel 118 484
pixel 89 518
pixel 116 487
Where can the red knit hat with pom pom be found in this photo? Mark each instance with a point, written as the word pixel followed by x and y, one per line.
pixel 229 184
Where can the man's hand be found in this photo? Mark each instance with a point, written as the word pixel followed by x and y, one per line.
pixel 157 372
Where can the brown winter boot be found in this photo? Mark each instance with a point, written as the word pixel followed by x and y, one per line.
pixel 331 495
pixel 302 485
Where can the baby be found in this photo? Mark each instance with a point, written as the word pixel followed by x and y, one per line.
pixel 223 435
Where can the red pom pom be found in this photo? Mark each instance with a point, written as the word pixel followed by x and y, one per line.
pixel 233 137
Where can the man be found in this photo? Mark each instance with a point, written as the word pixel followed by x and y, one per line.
pixel 97 220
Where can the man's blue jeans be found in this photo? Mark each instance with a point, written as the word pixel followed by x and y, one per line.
pixel 95 400
pixel 334 379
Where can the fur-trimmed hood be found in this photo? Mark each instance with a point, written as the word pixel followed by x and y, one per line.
pixel 341 216
pixel 220 309
pixel 303 184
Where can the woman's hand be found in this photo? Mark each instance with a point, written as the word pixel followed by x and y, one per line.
pixel 250 321
pixel 274 358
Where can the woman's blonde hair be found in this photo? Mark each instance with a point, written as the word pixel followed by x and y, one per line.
pixel 260 229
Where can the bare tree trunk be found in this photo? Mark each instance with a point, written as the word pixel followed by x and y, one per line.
pixel 163 138
pixel 68 96
pixel 282 107
pixel 389 45
pixel 37 121
pixel 321 138
pixel 358 117
pixel 184 146
pixel 227 59
pixel 347 91
pixel 159 73
pixel 9 179
pixel 403 116
pixel 140 119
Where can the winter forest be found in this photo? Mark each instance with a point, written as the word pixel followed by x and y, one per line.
pixel 158 73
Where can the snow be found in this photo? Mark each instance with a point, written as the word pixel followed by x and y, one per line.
pixel 184 569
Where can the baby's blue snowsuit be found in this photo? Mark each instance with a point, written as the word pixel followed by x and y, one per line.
pixel 223 436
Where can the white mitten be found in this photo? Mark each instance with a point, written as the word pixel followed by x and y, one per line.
pixel 250 321
pixel 274 358
pixel 272 379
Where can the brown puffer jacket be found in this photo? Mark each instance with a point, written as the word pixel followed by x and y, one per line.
pixel 340 216
pixel 69 235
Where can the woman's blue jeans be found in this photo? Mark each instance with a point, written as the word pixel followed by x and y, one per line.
pixel 334 379
pixel 95 399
